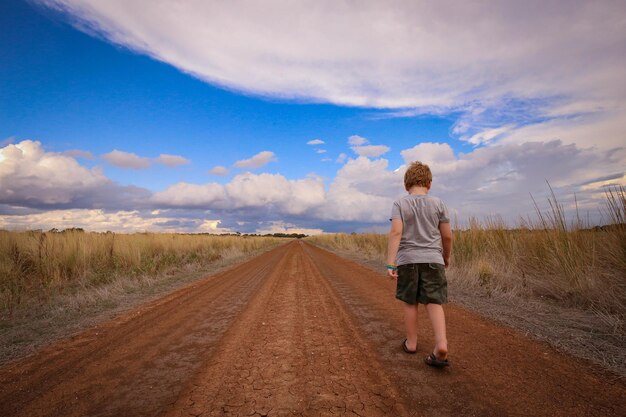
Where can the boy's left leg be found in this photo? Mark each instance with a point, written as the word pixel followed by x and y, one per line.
pixel 410 324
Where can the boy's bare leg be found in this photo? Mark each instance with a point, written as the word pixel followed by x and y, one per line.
pixel 438 319
pixel 410 323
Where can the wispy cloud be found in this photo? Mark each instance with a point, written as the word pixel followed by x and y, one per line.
pixel 172 160
pixel 126 160
pixel 257 161
pixel 315 142
pixel 371 151
pixel 219 170
pixel 130 160
pixel 360 147
pixel 356 140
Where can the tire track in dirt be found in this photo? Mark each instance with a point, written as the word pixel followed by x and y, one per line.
pixel 293 351
pixel 496 371
pixel 298 331
pixel 138 362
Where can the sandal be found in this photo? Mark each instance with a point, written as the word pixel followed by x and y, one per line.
pixel 437 363
pixel 406 349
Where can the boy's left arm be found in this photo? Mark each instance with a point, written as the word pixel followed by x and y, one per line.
pixel 395 234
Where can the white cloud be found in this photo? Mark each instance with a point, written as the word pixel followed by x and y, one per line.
pixel 498 179
pixel 273 192
pixel 370 150
pixel 438 155
pixel 410 54
pixel 320 151
pixel 171 160
pixel 262 192
pixel 126 160
pixel 315 142
pixel 32 177
pixel 184 194
pixel 341 158
pixel 415 57
pixel 488 135
pixel 257 161
pixel 363 190
pixel 488 180
pixel 118 221
pixel 130 160
pixel 219 170
pixel 356 140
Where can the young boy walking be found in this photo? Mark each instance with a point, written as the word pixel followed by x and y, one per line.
pixel 420 244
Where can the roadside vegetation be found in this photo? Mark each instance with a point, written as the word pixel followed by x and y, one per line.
pixel 38 268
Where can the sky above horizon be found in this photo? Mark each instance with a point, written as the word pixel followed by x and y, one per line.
pixel 262 117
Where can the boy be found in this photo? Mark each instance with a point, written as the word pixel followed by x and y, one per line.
pixel 420 243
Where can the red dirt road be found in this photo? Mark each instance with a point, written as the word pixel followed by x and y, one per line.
pixel 298 331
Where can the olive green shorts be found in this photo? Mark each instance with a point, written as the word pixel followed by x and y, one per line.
pixel 423 283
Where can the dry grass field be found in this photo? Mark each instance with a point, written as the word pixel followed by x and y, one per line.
pixel 36 267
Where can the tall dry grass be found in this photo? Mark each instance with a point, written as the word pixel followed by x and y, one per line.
pixel 570 264
pixel 36 266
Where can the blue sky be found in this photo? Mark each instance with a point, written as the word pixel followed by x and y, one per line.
pixel 123 84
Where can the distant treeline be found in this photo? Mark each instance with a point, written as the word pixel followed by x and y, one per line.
pixel 81 230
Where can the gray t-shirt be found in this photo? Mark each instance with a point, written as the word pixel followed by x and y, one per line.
pixel 421 240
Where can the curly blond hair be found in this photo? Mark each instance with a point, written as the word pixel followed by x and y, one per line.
pixel 417 174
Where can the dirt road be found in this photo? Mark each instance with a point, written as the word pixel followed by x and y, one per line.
pixel 298 331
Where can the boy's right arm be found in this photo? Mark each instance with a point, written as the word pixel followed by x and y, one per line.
pixel 395 235
pixel 446 242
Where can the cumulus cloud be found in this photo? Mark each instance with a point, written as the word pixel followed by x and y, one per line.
pixel 126 160
pixel 498 179
pixel 315 142
pixel 219 170
pixel 117 221
pixel 172 160
pixel 341 158
pixel 488 180
pixel 356 140
pixel 435 154
pixel 362 191
pixel 370 150
pixel 190 195
pixel 252 192
pixel 274 192
pixel 32 177
pixel 360 147
pixel 257 161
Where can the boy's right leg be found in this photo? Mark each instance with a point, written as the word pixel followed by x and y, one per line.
pixel 438 320
pixel 410 324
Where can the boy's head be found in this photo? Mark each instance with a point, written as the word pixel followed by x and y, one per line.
pixel 417 174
